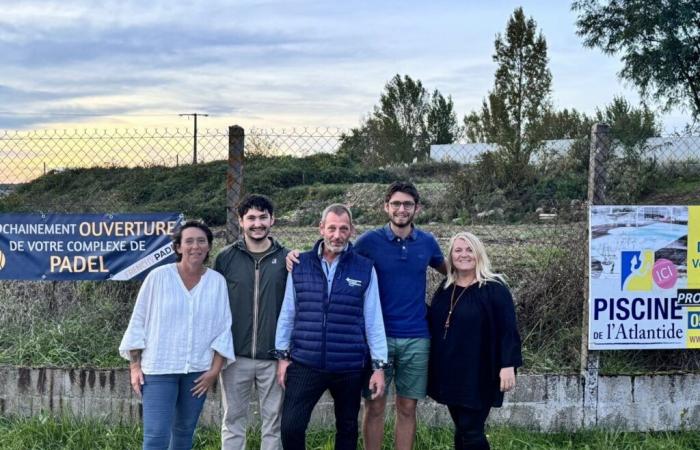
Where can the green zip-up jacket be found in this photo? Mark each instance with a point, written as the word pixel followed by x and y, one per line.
pixel 255 292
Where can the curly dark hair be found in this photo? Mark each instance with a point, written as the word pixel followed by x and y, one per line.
pixel 402 186
pixel 256 201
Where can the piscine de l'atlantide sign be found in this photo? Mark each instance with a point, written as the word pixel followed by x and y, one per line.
pixel 644 277
pixel 84 246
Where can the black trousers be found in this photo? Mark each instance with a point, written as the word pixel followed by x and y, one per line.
pixel 304 388
pixel 469 427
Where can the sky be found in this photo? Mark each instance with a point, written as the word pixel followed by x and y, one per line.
pixel 269 64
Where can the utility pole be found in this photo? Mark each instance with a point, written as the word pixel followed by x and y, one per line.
pixel 194 143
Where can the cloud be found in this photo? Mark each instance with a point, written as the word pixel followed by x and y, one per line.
pixel 275 61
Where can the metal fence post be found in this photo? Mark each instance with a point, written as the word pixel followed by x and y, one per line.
pixel 590 360
pixel 234 179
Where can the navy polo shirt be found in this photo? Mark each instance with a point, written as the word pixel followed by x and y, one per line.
pixel 401 266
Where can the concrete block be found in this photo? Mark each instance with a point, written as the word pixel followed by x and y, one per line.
pixel 39 380
pixel 563 389
pixel 9 405
pixel 24 405
pixel 442 416
pixel 119 383
pixel 46 391
pixel 616 390
pixel 211 413
pixel 646 387
pixel 98 408
pixel 120 411
pixel 540 402
pixel 615 419
pixel 690 418
pixel 88 383
pixel 8 386
pixel 74 406
pixel 427 412
pixel 567 418
pixel 23 378
pixel 683 388
pixel 521 415
pixel 530 389
pixel 74 382
pixel 130 411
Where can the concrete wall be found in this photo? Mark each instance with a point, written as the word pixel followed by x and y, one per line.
pixel 540 402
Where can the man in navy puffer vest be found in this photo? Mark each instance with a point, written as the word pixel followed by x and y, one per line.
pixel 329 333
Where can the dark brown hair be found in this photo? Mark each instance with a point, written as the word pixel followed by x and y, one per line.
pixel 177 236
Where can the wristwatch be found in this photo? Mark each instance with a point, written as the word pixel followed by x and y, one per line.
pixel 380 364
pixel 280 354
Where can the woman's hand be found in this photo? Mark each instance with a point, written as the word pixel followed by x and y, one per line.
pixel 507 376
pixel 204 382
pixel 136 375
pixel 208 378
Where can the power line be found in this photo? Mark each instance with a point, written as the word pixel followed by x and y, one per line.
pixel 194 142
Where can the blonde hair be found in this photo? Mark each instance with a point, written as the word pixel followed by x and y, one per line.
pixel 483 264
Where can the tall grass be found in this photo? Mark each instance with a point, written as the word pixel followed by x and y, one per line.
pixel 49 433
pixel 80 324
pixel 65 324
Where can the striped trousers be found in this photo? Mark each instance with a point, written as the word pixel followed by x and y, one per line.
pixel 305 386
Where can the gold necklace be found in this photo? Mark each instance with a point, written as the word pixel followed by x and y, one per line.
pixel 453 303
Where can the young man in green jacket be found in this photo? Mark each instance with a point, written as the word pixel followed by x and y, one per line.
pixel 256 276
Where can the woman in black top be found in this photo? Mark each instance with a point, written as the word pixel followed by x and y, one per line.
pixel 475 346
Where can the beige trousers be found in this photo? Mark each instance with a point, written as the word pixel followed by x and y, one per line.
pixel 237 382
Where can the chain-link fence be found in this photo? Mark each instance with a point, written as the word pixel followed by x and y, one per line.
pixel 28 155
pixel 526 201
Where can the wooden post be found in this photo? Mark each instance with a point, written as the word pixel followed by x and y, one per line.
pixel 234 180
pixel 194 142
pixel 590 360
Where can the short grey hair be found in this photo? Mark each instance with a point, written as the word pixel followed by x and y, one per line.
pixel 338 209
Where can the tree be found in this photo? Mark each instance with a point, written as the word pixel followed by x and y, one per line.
pixel 632 170
pixel 565 124
pixel 510 117
pixel 630 126
pixel 659 41
pixel 442 120
pixel 403 125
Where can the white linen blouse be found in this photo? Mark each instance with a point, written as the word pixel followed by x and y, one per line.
pixel 179 330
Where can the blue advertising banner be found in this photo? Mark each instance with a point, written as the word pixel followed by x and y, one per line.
pixel 84 246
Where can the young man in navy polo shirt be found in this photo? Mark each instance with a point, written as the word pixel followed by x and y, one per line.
pixel 401 253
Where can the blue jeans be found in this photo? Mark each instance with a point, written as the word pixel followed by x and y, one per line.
pixel 170 412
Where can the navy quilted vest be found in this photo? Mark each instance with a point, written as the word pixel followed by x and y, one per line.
pixel 329 330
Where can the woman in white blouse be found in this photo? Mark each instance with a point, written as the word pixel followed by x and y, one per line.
pixel 178 340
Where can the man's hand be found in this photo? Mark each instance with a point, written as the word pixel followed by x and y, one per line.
pixel 376 383
pixel 204 382
pixel 136 375
pixel 291 259
pixel 282 365
pixel 507 376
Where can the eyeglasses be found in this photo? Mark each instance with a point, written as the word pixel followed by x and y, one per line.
pixel 406 205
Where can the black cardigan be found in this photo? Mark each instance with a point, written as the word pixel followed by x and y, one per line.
pixel 482 338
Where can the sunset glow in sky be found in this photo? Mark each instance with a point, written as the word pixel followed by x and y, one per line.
pixel 269 63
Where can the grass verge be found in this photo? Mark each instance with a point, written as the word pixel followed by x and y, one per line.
pixel 48 433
